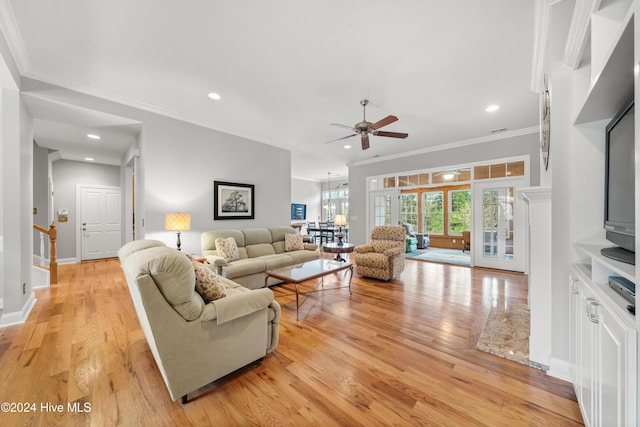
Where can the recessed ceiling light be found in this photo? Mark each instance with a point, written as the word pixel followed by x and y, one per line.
pixel 347 146
pixel 492 108
pixel 89 159
pixel 214 96
pixel 93 136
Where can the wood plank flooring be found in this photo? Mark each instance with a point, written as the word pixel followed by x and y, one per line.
pixel 396 353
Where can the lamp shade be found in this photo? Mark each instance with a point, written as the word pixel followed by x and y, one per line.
pixel 340 220
pixel 177 221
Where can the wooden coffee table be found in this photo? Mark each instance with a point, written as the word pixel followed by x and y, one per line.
pixel 299 273
pixel 338 249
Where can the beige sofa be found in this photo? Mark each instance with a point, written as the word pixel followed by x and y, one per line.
pixel 260 249
pixel 194 343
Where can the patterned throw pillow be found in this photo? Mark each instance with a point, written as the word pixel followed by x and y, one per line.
pixel 293 242
pixel 227 249
pixel 207 284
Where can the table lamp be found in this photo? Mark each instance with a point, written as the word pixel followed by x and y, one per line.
pixel 340 220
pixel 177 222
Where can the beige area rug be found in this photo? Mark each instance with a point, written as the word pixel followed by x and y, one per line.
pixel 506 332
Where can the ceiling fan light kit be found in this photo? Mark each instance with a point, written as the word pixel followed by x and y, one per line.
pixel 364 128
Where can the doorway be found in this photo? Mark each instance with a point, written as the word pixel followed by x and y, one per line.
pixel 497 235
pixel 383 208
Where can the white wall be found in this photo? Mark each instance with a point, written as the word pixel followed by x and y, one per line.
pixel 179 162
pixel 66 175
pixel 40 195
pixel 309 193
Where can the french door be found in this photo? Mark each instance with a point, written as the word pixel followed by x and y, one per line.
pixel 498 234
pixel 383 208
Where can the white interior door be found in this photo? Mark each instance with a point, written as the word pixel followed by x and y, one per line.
pixel 498 236
pixel 383 208
pixel 100 225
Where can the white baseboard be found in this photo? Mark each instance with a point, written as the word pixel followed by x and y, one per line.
pixel 68 261
pixel 40 277
pixel 18 317
pixel 561 369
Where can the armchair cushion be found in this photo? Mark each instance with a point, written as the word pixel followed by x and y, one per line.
pixel 237 305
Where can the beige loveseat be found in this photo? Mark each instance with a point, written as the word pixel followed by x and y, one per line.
pixel 260 249
pixel 194 343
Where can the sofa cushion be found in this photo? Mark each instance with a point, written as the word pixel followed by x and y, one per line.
pixel 255 236
pixel 303 256
pixel 293 242
pixel 227 248
pixel 244 267
pixel 208 241
pixel 260 249
pixel 277 261
pixel 207 284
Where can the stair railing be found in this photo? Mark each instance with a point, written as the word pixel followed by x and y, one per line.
pixel 52 232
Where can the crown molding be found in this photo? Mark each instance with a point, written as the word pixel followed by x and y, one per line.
pixel 9 28
pixel 540 25
pixel 579 32
pixel 448 146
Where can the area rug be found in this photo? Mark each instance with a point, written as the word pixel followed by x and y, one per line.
pixel 449 256
pixel 506 332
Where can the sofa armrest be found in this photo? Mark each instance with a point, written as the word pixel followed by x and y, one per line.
pixel 218 261
pixel 363 249
pixel 310 246
pixel 235 306
pixel 394 251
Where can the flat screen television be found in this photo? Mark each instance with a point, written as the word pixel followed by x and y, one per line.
pixel 298 211
pixel 619 186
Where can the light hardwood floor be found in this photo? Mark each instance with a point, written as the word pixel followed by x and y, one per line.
pixel 397 353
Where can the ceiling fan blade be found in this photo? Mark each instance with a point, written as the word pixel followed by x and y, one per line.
pixel 386 121
pixel 391 134
pixel 340 139
pixel 341 126
pixel 365 141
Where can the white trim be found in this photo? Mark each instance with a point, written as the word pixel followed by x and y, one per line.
pixel 579 32
pixel 68 261
pixel 18 317
pixel 540 24
pixel 560 368
pixel 14 39
pixel 1 303
pixel 450 145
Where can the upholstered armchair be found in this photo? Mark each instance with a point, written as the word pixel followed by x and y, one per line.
pixel 422 239
pixel 383 257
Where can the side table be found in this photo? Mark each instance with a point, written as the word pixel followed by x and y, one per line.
pixel 335 248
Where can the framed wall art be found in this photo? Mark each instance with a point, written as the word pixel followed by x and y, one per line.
pixel 233 201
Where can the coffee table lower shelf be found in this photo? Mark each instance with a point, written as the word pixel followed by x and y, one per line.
pixel 296 274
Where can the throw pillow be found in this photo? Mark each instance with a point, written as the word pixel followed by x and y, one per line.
pixel 207 284
pixel 293 242
pixel 227 249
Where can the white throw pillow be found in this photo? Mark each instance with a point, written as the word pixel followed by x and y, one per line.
pixel 227 249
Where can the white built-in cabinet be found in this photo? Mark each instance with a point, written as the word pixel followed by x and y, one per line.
pixel 603 352
pixel 603 333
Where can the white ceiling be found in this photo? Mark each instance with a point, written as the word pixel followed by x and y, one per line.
pixel 284 69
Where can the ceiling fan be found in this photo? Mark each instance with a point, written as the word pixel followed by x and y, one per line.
pixel 364 128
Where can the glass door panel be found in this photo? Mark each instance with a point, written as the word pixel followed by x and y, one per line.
pixel 497 226
pixel 383 208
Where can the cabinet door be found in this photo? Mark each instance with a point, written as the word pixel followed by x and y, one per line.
pixel 616 394
pixel 575 335
pixel 589 344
